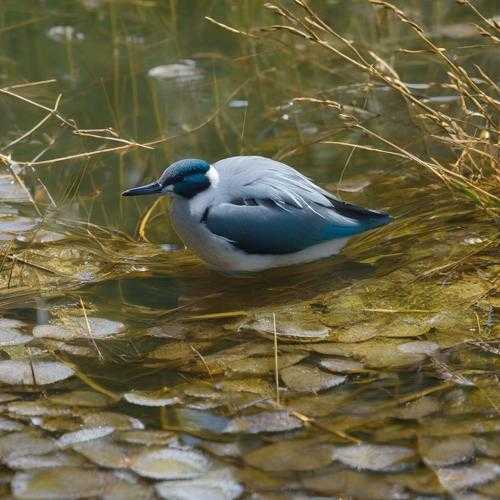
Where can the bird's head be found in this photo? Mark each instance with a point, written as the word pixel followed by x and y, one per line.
pixel 184 178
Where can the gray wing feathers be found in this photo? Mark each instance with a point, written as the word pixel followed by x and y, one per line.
pixel 256 177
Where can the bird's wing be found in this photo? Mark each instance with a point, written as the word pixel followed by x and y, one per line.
pixel 264 228
pixel 267 207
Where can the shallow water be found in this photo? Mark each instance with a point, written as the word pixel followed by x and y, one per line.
pixel 129 370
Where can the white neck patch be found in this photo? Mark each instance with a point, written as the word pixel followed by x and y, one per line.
pixel 213 175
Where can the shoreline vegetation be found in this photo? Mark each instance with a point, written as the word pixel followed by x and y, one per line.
pixel 128 370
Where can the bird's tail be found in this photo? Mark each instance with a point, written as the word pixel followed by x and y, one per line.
pixel 367 219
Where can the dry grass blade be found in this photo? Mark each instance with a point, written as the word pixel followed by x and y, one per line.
pixel 473 162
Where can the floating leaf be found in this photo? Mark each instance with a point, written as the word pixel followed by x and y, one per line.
pixel 104 452
pixel 447 451
pixel 248 384
pixel 84 435
pixel 264 364
pixel 17 372
pixel 8 425
pixel 48 460
pixel 264 323
pixel 374 353
pixel 62 482
pixel 37 408
pixel 77 327
pixel 420 408
pixel 19 444
pixel 489 446
pixel 128 490
pixel 81 398
pixel 118 421
pixel 375 457
pixel 266 421
pixel 303 378
pixel 11 334
pixel 466 476
pixel 170 463
pixel 11 191
pixel 218 484
pixel 147 437
pixel 355 485
pixel 184 70
pixel 290 455
pixel 341 365
pixel 11 225
pixel 419 347
pixel 142 398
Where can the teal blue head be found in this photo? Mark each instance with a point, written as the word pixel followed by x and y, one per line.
pixel 184 178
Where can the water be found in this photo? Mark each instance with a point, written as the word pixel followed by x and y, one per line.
pixel 387 355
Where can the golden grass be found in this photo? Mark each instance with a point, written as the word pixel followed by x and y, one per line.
pixel 471 137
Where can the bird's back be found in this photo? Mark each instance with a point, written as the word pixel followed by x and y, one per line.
pixel 266 207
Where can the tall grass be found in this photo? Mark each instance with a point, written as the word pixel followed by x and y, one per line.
pixel 469 134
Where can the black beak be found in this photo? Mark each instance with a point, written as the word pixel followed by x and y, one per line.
pixel 152 188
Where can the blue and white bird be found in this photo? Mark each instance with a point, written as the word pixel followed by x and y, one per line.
pixel 249 213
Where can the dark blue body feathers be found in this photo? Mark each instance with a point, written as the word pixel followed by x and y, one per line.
pixel 261 227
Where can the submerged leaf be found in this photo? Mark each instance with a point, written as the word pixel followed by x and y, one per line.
pixel 142 398
pixel 303 378
pixel 75 327
pixel 24 443
pixel 465 476
pixel 61 482
pixel 266 421
pixel 170 463
pixel 291 455
pixel 219 484
pixel 11 333
pixel 84 435
pixel 445 452
pixel 48 460
pixel 355 485
pixel 375 457
pixel 341 365
pixel 104 452
pixel 264 323
pixel 17 372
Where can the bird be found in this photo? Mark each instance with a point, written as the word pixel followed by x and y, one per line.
pixel 247 214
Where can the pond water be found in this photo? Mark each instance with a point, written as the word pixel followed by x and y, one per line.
pixel 129 370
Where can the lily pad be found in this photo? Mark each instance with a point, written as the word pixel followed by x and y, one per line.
pixel 48 460
pixel 16 372
pixel 355 485
pixel 218 484
pixel 77 327
pixel 118 421
pixel 447 451
pixel 260 365
pixel 341 365
pixel 61 482
pixel 419 347
pixel 266 421
pixel 81 398
pixel 171 463
pixel 84 435
pixel 419 408
pixel 104 452
pixel 142 398
pixel 291 455
pixel 184 70
pixel 292 329
pixel 375 457
pixel 19 444
pixel 466 476
pixel 11 333
pixel 303 378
